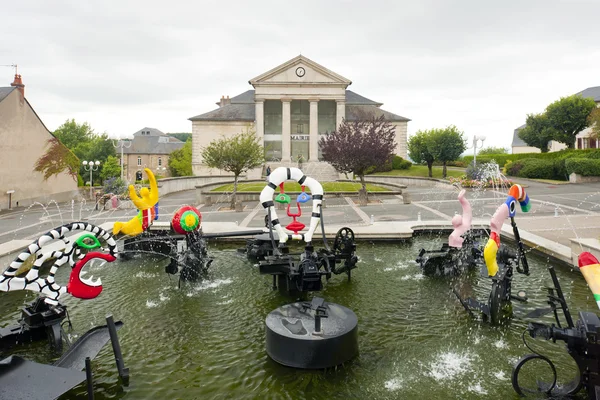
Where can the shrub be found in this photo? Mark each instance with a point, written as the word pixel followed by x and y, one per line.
pixel 115 186
pixel 583 166
pixel 383 167
pixel 400 163
pixel 458 163
pixel 536 168
pixel 80 181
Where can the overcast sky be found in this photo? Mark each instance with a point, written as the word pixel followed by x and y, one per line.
pixel 123 65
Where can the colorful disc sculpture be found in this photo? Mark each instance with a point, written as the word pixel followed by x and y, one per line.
pixel 186 220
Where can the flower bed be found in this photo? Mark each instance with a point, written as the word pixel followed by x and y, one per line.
pixel 465 182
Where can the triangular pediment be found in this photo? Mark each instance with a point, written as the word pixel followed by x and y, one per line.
pixel 302 71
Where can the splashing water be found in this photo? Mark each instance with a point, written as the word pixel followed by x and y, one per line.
pixel 450 365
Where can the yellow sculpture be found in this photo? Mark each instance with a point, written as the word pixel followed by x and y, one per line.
pixel 145 203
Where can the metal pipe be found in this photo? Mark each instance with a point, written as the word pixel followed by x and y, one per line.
pixel 89 379
pixel 114 340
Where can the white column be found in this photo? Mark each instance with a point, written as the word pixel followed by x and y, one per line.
pixel 285 130
pixel 314 131
pixel 259 118
pixel 340 112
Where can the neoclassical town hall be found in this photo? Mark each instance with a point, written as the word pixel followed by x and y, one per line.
pixel 291 107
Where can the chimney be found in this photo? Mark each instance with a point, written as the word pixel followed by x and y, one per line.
pixel 18 83
pixel 224 101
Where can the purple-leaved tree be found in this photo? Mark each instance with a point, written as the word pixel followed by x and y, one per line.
pixel 359 147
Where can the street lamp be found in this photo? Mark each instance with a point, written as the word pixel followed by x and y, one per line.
pixel 91 166
pixel 475 140
pixel 122 144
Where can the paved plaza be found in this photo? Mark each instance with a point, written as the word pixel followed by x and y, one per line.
pixel 558 213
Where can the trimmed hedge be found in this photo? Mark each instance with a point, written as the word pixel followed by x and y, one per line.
pixel 456 163
pixel 583 166
pixel 400 163
pixel 537 168
pixel 501 159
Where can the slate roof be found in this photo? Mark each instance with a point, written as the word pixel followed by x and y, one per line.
pixel 5 91
pixel 242 109
pixel 592 92
pixel 157 144
pixel 149 132
pixel 230 112
pixel 355 98
pixel 517 141
pixel 354 112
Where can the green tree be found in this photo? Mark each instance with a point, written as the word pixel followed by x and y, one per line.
pixel 569 116
pixel 183 136
pixel 111 168
pixel 446 145
pixel 72 134
pixel 359 147
pixel 83 143
pixel 236 154
pixel 538 132
pixel 418 150
pixel 57 159
pixel 180 160
pixel 493 150
pixel 594 122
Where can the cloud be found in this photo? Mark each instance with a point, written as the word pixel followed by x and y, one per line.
pixel 481 66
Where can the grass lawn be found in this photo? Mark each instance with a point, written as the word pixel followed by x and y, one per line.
pixel 291 187
pixel 422 171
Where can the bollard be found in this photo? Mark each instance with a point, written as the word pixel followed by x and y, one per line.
pixel 372 219
pixel 239 206
pixel 419 216
pixel 556 211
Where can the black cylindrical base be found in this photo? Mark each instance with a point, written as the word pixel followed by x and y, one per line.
pixel 292 340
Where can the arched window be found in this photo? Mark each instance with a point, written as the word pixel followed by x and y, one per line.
pixel 139 161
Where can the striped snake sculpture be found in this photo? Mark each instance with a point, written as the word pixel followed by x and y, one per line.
pixel 74 253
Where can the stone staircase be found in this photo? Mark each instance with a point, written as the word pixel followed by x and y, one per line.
pixel 321 171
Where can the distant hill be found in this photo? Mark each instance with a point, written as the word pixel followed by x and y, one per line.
pixel 183 136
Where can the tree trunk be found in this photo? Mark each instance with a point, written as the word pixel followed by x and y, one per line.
pixel 430 167
pixel 234 195
pixel 363 196
pixel 444 171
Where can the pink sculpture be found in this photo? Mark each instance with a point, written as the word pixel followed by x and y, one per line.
pixel 461 223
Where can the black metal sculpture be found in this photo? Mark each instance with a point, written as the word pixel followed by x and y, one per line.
pixel 463 250
pixel 582 340
pixel 500 262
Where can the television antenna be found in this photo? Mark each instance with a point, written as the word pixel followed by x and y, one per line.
pixel 12 66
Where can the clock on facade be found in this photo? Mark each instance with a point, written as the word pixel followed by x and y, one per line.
pixel 300 72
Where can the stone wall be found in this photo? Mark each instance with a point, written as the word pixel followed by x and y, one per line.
pixel 409 181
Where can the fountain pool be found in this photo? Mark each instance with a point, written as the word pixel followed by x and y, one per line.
pixel 207 340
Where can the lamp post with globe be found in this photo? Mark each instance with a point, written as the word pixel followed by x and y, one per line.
pixel 475 147
pixel 91 166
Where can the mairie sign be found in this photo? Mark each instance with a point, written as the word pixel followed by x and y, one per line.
pixel 300 137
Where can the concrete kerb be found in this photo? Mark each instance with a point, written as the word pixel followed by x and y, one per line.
pixel 378 231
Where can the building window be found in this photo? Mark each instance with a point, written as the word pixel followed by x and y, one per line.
pixel 300 119
pixel 139 161
pixel 159 162
pixel 273 117
pixel 327 116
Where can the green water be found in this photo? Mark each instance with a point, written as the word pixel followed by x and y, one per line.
pixel 206 340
